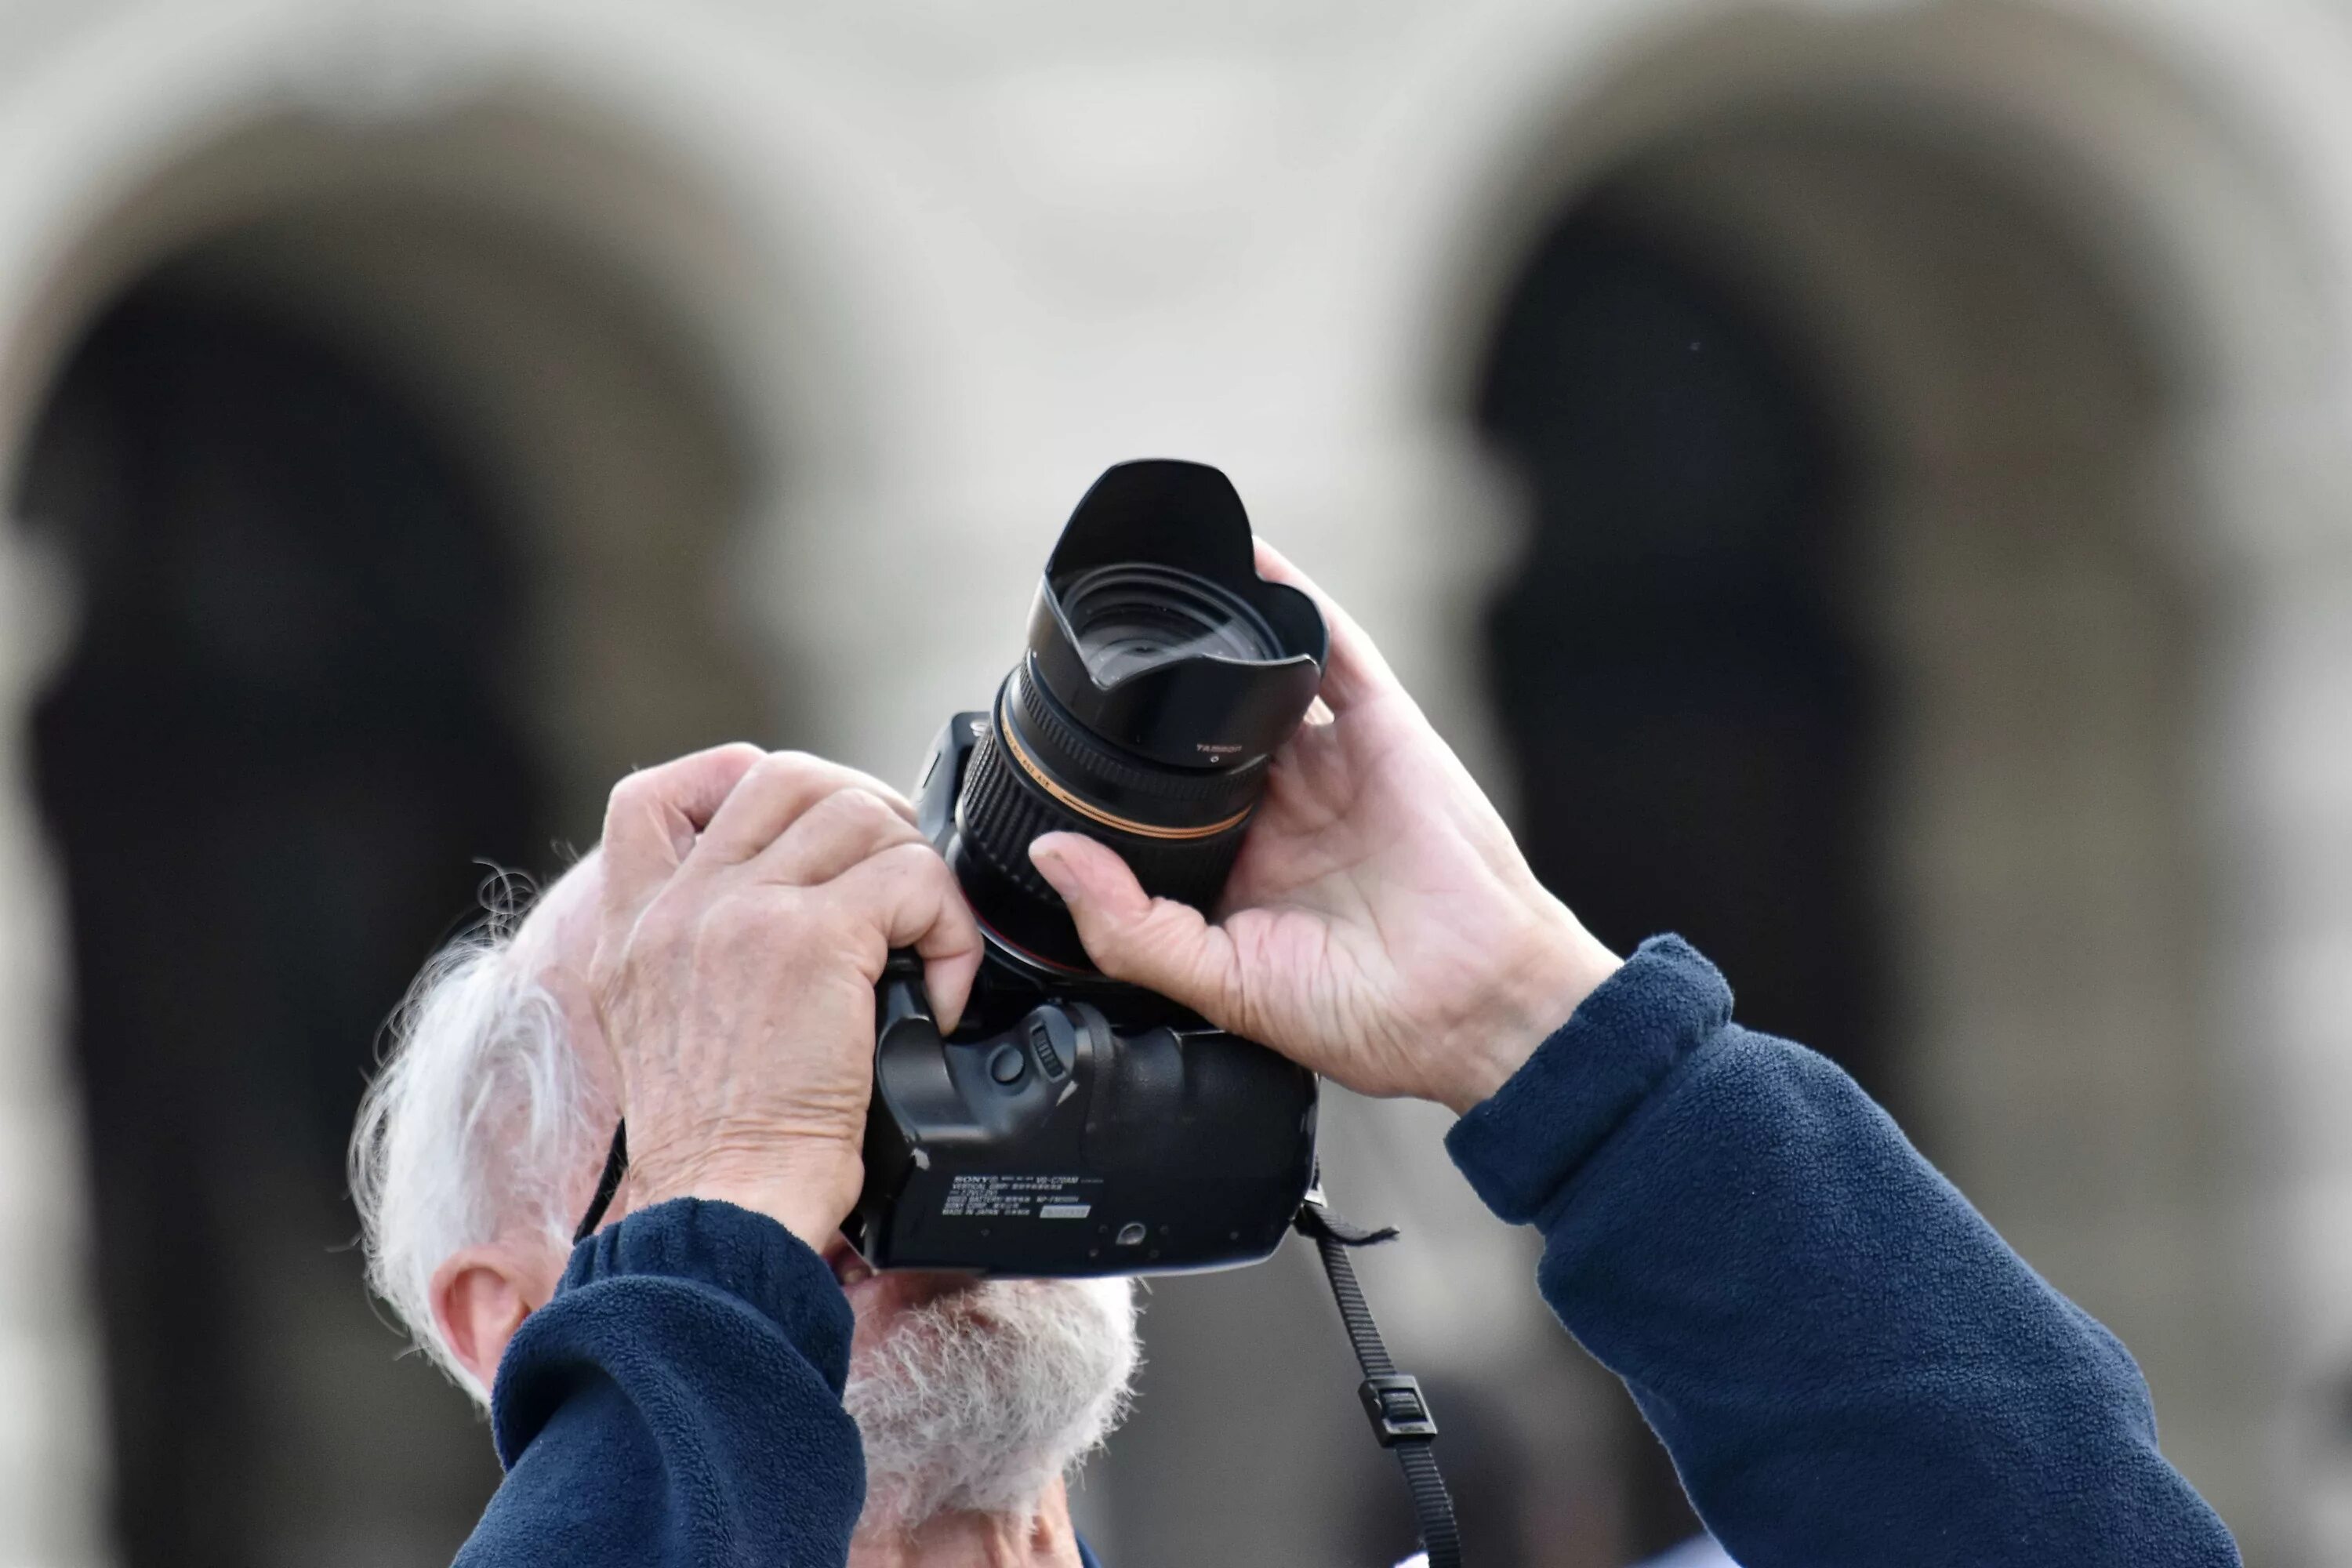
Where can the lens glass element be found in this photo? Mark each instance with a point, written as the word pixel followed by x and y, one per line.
pixel 1130 617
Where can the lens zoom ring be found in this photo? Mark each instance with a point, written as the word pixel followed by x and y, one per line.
pixel 1001 811
pixel 1073 754
pixel 999 817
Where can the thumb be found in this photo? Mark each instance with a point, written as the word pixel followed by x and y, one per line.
pixel 1158 943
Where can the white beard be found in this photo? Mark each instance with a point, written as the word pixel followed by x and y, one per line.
pixel 978 1400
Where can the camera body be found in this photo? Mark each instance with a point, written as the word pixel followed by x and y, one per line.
pixel 1073 1125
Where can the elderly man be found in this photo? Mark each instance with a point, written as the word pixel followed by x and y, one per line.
pixel 480 1146
pixel 1849 1368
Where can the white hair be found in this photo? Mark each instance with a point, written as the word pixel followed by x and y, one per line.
pixel 481 1127
pixel 977 1400
pixel 477 1127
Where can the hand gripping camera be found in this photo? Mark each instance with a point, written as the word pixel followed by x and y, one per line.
pixel 1073 1125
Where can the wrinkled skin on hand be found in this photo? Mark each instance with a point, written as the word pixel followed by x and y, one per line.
pixel 750 902
pixel 1380 925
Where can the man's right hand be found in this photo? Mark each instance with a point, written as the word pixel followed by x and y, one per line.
pixel 751 899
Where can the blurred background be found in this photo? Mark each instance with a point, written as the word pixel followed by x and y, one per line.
pixel 1862 480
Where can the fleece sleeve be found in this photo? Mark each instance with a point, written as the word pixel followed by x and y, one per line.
pixel 677 1403
pixel 1849 1367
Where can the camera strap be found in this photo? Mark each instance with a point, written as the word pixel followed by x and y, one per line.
pixel 616 1165
pixel 1392 1401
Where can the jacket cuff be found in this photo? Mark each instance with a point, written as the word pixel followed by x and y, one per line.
pixel 1521 1146
pixel 745 1255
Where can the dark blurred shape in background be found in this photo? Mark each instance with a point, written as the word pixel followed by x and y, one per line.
pixel 347 495
pixel 1677 661
pixel 274 767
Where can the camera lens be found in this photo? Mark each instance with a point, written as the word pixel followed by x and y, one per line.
pixel 1132 618
pixel 1161 675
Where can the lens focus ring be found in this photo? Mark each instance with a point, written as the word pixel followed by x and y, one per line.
pixel 1002 809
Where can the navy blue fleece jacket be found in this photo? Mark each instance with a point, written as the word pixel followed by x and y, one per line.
pixel 1849 1368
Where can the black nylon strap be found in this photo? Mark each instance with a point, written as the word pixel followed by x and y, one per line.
pixel 616 1165
pixel 1433 1505
pixel 1400 1415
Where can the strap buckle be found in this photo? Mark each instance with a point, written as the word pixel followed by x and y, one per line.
pixel 1399 1410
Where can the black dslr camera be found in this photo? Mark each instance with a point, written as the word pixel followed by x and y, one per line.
pixel 1073 1125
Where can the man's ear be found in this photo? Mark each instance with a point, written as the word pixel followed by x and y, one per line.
pixel 480 1296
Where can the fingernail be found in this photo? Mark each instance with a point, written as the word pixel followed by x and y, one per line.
pixel 1052 864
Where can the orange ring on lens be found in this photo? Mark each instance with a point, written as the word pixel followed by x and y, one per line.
pixel 1095 814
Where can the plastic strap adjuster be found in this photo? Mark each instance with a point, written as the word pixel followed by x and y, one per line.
pixel 1397 1411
